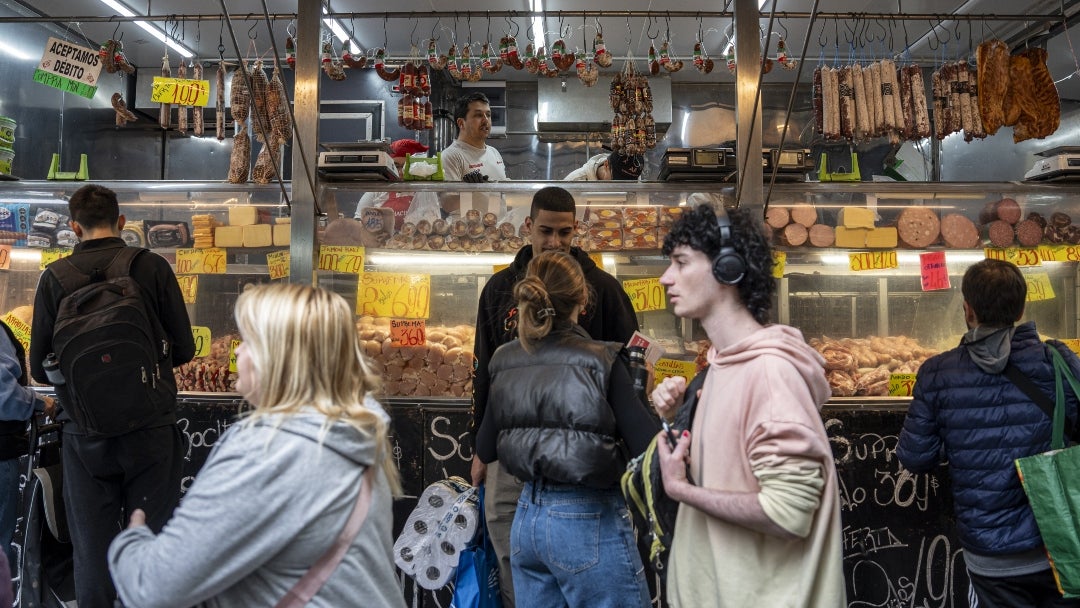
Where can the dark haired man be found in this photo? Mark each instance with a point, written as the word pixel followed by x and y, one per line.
pixel 609 315
pixel 469 158
pixel 106 478
pixel 760 523
pixel 966 411
pixel 610 166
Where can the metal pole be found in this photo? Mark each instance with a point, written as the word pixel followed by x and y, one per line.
pixel 306 117
pixel 747 110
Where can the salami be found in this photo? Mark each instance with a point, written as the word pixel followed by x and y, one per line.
pixel 197 111
pixel 847 103
pixel 999 233
pixel 822 235
pixel 818 117
pixel 777 217
pixel 830 103
pixel 959 232
pixel 875 97
pixel 794 235
pixel 1009 210
pixel 937 88
pixel 918 227
pixel 806 215
pixel 1029 233
pixel 862 116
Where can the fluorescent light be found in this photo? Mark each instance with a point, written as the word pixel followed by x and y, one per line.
pixel 538 23
pixel 338 30
pixel 17 53
pixel 449 259
pixel 761 4
pixel 151 29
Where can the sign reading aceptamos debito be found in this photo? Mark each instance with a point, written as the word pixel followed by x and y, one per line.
pixel 69 67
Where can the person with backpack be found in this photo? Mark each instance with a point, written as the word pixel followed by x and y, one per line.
pixel 759 519
pixel 564 418
pixel 971 410
pixel 114 319
pixel 18 403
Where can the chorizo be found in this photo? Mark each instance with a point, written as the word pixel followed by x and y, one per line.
pixel 181 110
pixel 219 108
pixel 197 111
pixel 164 117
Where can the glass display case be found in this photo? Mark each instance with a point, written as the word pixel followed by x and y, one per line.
pixel 870 272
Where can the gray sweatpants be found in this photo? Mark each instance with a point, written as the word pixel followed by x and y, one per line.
pixel 501 492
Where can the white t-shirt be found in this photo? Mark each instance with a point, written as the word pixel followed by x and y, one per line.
pixel 460 158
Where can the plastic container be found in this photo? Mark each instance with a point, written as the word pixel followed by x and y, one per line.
pixel 7 130
pixel 6 156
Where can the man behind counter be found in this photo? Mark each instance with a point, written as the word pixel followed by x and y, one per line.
pixel 607 316
pixel 608 166
pixel 469 159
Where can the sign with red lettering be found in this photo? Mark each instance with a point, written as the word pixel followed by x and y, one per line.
pixel 935 273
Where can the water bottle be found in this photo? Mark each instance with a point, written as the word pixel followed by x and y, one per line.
pixel 639 373
pixel 52 370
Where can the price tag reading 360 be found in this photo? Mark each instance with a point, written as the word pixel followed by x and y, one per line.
pixel 408 332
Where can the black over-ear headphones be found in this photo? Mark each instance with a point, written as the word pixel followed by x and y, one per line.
pixel 728 266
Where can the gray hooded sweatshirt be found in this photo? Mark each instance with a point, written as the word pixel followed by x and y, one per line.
pixel 265 506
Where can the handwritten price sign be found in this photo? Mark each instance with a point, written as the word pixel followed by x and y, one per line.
pixel 901 385
pixel 935 274
pixel 1016 255
pixel 278 263
pixel 232 355
pixel 779 261
pixel 1039 287
pixel 646 294
pixel 598 258
pixel 341 258
pixel 5 257
pixel 181 92
pixel 1072 343
pixel 201 335
pixel 48 256
pixel 666 368
pixel 201 261
pixel 189 286
pixel 408 332
pixel 20 329
pixel 872 260
pixel 1059 253
pixel 394 294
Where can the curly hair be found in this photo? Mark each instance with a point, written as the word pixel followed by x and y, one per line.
pixel 697 229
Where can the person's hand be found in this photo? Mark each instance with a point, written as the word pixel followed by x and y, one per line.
pixel 474 177
pixel 667 396
pixel 478 471
pixel 673 462
pixel 138 518
pixel 50 406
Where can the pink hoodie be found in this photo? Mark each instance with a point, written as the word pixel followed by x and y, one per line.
pixel 758 429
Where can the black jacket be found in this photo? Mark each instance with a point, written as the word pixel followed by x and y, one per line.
pixel 551 410
pixel 609 316
pixel 149 270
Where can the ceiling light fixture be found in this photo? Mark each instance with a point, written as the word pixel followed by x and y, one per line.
pixel 537 22
pixel 153 30
pixel 339 30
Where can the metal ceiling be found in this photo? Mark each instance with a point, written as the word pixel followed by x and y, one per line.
pixel 944 29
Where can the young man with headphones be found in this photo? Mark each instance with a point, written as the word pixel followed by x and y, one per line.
pixel 759 519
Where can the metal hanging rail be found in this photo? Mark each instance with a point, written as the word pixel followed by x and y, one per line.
pixel 412 15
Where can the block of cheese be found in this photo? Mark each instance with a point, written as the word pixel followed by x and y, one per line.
pixel 229 236
pixel 282 234
pixel 856 217
pixel 882 237
pixel 243 216
pixel 854 238
pixel 258 235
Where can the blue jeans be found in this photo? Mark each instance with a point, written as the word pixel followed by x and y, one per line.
pixel 574 546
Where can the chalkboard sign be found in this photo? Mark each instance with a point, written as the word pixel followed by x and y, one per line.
pixel 900 547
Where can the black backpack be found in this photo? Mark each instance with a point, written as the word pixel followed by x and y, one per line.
pixel 113 352
pixel 652 509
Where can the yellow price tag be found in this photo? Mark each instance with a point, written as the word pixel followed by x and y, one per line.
pixel 408 332
pixel 394 294
pixel 872 260
pixel 341 258
pixel 1039 287
pixel 779 261
pixel 1060 253
pixel 20 329
pixel 498 267
pixel 232 355
pixel 182 92
pixel 598 258
pixel 901 385
pixel 666 368
pixel 646 294
pixel 189 286
pixel 201 261
pixel 278 263
pixel 5 257
pixel 201 335
pixel 1073 344
pixel 50 255
pixel 1016 255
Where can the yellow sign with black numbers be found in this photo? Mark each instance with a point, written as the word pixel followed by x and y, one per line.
pixel 201 335
pixel 180 91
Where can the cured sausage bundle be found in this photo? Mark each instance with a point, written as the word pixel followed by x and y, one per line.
pixel 858 102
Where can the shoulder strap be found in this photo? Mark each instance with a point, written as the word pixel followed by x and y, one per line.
pixel 1033 392
pixel 684 416
pixel 71 277
pixel 316 576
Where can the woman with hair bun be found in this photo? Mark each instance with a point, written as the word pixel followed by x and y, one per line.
pixel 564 418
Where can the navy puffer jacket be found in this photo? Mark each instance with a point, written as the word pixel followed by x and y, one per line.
pixel 980 424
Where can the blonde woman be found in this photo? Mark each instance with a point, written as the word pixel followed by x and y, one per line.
pixel 564 418
pixel 279 485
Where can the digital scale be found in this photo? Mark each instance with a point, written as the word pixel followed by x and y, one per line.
pixel 1057 164
pixel 357 161
pixel 719 164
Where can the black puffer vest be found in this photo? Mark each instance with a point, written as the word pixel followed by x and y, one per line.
pixel 552 412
